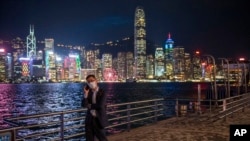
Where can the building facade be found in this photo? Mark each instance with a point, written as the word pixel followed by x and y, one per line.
pixel 140 43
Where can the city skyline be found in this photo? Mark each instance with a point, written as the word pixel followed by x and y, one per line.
pixel 211 27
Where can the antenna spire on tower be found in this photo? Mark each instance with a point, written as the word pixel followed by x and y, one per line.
pixel 169 35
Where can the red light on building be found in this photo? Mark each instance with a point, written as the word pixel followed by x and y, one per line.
pixel 2 50
pixel 242 59
pixel 197 52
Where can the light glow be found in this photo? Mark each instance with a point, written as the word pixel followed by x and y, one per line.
pixel 58 59
pixel 242 59
pixel 2 50
pixel 73 56
pixel 24 59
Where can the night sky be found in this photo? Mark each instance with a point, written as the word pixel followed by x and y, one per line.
pixel 217 27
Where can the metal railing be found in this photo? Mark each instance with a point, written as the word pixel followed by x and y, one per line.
pixel 208 110
pixel 69 124
pixel 231 105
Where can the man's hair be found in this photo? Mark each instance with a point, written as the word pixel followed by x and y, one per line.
pixel 91 75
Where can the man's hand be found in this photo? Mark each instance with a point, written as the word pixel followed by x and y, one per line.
pixel 86 91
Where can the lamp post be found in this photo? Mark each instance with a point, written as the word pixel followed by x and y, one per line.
pixel 245 75
pixel 214 74
pixel 245 78
pixel 228 82
pixel 238 67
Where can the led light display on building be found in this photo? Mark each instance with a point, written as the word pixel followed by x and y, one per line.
pixel 25 66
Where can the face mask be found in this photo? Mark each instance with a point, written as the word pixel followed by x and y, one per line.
pixel 92 85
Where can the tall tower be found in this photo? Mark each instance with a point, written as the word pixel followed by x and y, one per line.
pixel 169 57
pixel 140 43
pixel 31 43
pixel 169 48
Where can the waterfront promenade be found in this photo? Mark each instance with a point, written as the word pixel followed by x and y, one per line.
pixel 185 129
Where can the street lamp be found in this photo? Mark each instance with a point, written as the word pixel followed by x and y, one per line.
pixel 228 82
pixel 245 75
pixel 214 74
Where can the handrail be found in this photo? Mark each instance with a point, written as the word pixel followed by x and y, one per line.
pixel 70 120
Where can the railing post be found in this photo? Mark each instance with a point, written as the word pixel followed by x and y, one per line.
pixel 62 126
pixel 155 111
pixel 128 117
pixel 210 106
pixel 14 134
pixel 177 107
pixel 199 99
pixel 224 105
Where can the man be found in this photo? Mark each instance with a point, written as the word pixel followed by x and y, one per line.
pixel 95 102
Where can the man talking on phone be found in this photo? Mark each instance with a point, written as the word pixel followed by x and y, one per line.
pixel 95 101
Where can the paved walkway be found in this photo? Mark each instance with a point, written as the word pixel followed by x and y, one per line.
pixel 184 129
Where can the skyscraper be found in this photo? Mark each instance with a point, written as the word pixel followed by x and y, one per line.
pixel 159 62
pixel 169 57
pixel 50 59
pixel 2 65
pixel 140 43
pixel 31 43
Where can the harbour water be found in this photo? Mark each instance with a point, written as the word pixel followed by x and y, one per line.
pixel 25 99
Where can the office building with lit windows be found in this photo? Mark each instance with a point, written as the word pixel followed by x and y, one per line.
pixel 50 67
pixel 129 65
pixel 19 51
pixel 150 67
pixel 109 74
pixel 59 68
pixel 188 70
pixel 121 65
pixel 197 66
pixel 140 43
pixel 9 66
pixel 2 65
pixel 179 63
pixel 159 63
pixel 25 67
pixel 169 47
pixel 74 67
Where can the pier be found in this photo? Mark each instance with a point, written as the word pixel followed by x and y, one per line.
pixel 147 120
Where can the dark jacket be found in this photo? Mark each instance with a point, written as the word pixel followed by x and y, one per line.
pixel 100 106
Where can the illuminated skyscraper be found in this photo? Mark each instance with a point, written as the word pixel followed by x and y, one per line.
pixel 197 66
pixel 9 66
pixel 109 74
pixel 179 63
pixel 188 70
pixel 2 65
pixel 74 67
pixel 31 43
pixel 121 70
pixel 150 67
pixel 19 50
pixel 129 65
pixel 159 62
pixel 140 43
pixel 169 57
pixel 50 59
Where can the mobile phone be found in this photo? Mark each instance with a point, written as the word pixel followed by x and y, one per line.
pixel 87 87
